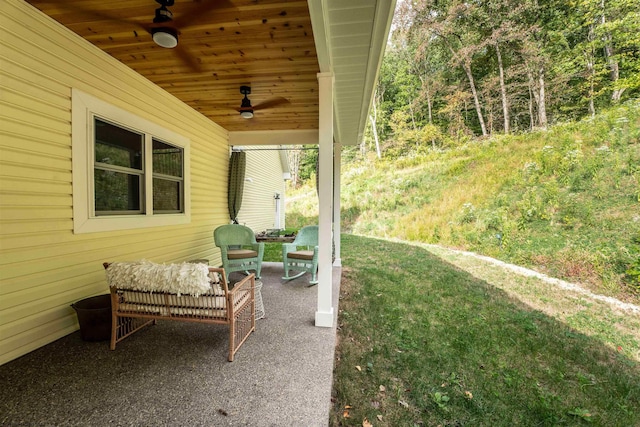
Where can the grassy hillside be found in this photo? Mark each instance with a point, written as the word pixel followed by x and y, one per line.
pixel 565 202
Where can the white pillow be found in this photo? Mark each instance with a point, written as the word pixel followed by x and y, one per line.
pixel 186 278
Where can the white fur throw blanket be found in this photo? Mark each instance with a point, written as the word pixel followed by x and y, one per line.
pixel 185 278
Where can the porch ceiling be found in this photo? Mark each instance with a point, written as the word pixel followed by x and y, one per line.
pixel 276 47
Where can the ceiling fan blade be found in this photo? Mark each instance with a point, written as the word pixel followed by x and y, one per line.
pixel 200 13
pixel 270 103
pixel 97 15
pixel 191 61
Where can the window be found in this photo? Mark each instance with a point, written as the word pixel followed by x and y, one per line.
pixel 167 178
pixel 127 172
pixel 118 170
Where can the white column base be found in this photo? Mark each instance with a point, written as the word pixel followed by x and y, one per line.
pixel 337 262
pixel 324 319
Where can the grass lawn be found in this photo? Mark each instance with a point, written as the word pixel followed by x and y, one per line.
pixel 272 252
pixel 424 342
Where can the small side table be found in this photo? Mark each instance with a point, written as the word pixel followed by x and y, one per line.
pixel 258 300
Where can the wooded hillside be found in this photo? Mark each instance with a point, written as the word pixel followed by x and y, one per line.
pixel 564 201
pixel 508 128
pixel 456 69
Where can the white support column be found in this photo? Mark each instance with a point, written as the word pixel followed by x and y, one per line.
pixel 324 313
pixel 337 167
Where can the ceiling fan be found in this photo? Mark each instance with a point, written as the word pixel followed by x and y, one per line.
pixel 165 28
pixel 167 34
pixel 246 109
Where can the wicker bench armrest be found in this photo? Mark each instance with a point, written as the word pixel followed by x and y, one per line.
pixel 240 288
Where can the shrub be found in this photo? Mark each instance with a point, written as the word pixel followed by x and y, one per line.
pixel 467 214
pixel 633 271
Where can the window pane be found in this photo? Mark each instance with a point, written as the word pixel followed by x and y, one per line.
pixel 116 192
pixel 117 146
pixel 167 159
pixel 167 196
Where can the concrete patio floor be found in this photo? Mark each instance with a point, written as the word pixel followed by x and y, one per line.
pixel 177 374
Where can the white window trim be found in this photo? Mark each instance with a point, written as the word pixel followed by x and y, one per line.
pixel 83 107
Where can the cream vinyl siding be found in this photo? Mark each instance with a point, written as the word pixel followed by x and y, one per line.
pixel 263 179
pixel 44 266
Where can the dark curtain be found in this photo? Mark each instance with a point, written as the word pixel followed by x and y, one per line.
pixel 237 166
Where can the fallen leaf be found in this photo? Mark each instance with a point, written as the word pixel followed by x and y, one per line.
pixel 379 417
pixel 358 368
pixel 222 412
pixel 348 406
pixel 468 395
pixel 383 388
pixel 366 423
pixel 403 403
pixel 345 414
pixel 375 404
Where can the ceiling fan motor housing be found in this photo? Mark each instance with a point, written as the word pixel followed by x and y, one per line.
pixel 163 15
pixel 246 103
pixel 246 110
pixel 166 37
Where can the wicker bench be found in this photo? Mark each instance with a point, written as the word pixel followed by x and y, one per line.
pixel 132 309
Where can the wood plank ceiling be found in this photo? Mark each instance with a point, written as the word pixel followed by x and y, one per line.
pixel 222 44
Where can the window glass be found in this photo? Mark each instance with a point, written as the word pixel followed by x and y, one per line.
pixel 118 170
pixel 118 146
pixel 167 177
pixel 167 159
pixel 117 193
pixel 167 196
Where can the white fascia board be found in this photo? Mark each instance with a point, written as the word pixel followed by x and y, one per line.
pixel 274 137
pixel 319 12
pixel 381 27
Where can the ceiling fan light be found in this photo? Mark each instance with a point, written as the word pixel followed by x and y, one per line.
pixel 165 37
pixel 246 114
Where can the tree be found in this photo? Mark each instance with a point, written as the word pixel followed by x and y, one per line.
pixel 473 67
pixel 449 25
pixel 373 118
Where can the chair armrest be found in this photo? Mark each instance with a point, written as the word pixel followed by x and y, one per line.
pixel 243 285
pixel 288 247
pixel 258 247
pixel 236 294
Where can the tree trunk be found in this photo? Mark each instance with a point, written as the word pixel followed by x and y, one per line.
pixel 294 165
pixel 503 91
pixel 614 74
pixel 534 95
pixel 375 135
pixel 476 100
pixel 542 109
pixel 413 118
pixel 427 91
pixel 373 119
pixel 531 115
pixel 466 65
pixel 590 60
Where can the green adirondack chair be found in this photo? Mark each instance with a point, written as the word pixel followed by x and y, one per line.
pixel 239 249
pixel 302 254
